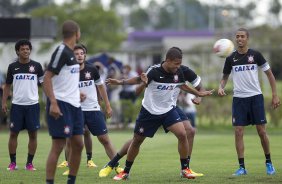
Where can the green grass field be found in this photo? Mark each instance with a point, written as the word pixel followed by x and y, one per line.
pixel 158 161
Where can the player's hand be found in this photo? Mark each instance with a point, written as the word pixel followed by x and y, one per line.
pixel 221 92
pixel 111 81
pixel 197 100
pixel 82 97
pixel 109 112
pixel 206 93
pixel 144 78
pixel 275 102
pixel 4 108
pixel 55 111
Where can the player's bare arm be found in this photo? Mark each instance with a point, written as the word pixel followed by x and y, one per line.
pixel 140 88
pixel 222 85
pixel 48 89
pixel 193 91
pixel 131 81
pixel 103 93
pixel 144 81
pixel 144 78
pixel 6 92
pixel 82 96
pixel 275 98
pixel 197 100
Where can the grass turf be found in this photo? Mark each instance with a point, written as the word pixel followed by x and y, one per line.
pixel 158 161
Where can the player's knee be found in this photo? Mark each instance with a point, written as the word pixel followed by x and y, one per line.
pixel 182 135
pixel 77 145
pixel 13 135
pixel 104 141
pixel 137 140
pixel 191 132
pixel 80 145
pixel 32 137
pixel 86 133
pixel 262 132
pixel 239 132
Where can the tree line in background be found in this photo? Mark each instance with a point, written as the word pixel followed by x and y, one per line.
pixel 105 29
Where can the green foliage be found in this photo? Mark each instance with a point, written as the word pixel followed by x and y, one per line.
pixel 275 7
pixel 130 110
pixel 185 14
pixel 126 3
pixel 28 5
pixel 45 46
pixel 139 18
pixel 216 111
pixel 101 30
pixel 270 43
pixel 182 15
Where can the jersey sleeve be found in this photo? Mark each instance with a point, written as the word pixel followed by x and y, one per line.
pixel 150 74
pixel 227 66
pixel 96 76
pixel 57 60
pixel 40 73
pixel 191 76
pixel 9 79
pixel 261 62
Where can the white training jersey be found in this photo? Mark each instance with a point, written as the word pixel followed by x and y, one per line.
pixel 25 78
pixel 244 69
pixel 66 81
pixel 158 97
pixel 89 78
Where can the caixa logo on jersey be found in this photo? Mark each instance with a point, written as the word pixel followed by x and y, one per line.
pixel 85 84
pixel 244 68
pixel 165 87
pixel 75 70
pixel 24 77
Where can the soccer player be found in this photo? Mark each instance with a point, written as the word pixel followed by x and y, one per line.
pixel 93 117
pixel 64 114
pixel 191 77
pixel 248 101
pixel 158 108
pixel 24 74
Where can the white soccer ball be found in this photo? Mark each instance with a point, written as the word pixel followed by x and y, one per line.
pixel 223 47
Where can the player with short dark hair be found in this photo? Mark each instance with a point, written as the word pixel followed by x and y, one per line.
pixel 24 74
pixel 190 77
pixel 248 101
pixel 158 108
pixel 94 119
pixel 64 114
